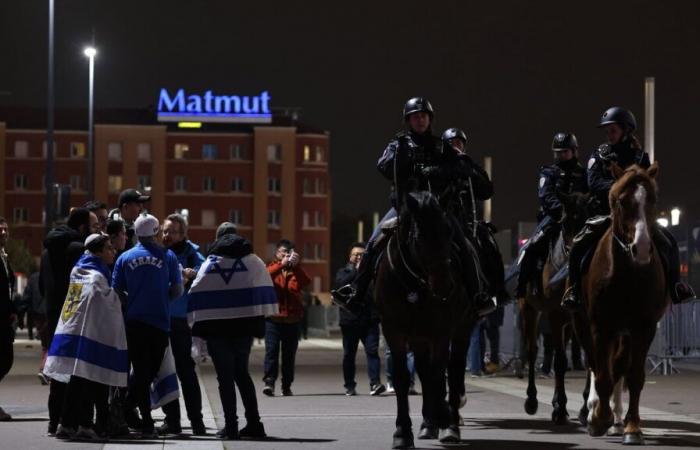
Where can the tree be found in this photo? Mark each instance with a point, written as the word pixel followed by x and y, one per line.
pixel 20 257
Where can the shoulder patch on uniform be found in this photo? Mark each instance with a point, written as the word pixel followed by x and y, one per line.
pixel 591 162
pixel 542 181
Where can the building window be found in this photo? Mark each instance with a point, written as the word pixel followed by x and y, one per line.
pixel 319 154
pixel 20 215
pixel 209 151
pixel 144 183
pixel 114 183
pixel 305 219
pixel 237 151
pixel 143 151
pixel 235 216
pixel 271 250
pixel 318 251
pixel 184 213
pixel 21 149
pixel 306 186
pixel 43 149
pixel 180 183
pixel 180 150
pixel 114 151
pixel 20 181
pixel 273 218
pixel 274 152
pixel 307 153
pixel 237 184
pixel 319 219
pixel 76 183
pixel 209 184
pixel 319 186
pixel 317 284
pixel 274 185
pixel 77 150
pixel 208 218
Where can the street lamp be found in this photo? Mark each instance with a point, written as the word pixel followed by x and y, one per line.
pixel 675 216
pixel 90 53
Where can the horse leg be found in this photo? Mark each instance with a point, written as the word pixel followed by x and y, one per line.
pixel 618 427
pixel 455 375
pixel 403 436
pixel 449 431
pixel 428 429
pixel 529 326
pixel 583 333
pixel 583 412
pixel 560 416
pixel 635 382
pixel 600 417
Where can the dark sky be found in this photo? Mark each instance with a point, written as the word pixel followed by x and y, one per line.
pixel 510 73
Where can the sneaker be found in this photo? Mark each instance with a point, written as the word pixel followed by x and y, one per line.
pixel 476 375
pixel 350 392
pixel 412 390
pixel 86 434
pixel 390 389
pixel 65 432
pixel 228 434
pixel 254 430
pixel 269 390
pixel 148 432
pixel 132 419
pixel 287 392
pixel 43 379
pixel 168 428
pixel 51 431
pixel 492 367
pixel 377 389
pixel 198 428
pixel 4 417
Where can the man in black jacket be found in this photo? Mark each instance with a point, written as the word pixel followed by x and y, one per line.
pixel 7 310
pixel 361 325
pixel 62 249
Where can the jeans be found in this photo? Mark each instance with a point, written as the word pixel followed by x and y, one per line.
pixel 410 362
pixel 493 333
pixel 369 336
pixel 146 346
pixel 230 357
pixel 285 335
pixel 181 345
pixel 474 352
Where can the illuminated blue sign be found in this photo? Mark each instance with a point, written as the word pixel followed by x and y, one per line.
pixel 182 107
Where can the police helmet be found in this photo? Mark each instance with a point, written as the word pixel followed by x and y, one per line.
pixel 564 141
pixel 417 104
pixel 454 133
pixel 619 115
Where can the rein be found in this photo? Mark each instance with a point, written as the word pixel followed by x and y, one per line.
pixel 404 263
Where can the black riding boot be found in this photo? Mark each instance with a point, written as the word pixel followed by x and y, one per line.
pixel 351 296
pixel 667 246
pixel 584 241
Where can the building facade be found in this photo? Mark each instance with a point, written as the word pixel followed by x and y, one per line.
pixel 271 180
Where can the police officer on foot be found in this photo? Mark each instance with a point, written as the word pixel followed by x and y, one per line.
pixel 623 148
pixel 565 177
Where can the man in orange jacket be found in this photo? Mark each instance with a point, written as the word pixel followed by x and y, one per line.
pixel 283 329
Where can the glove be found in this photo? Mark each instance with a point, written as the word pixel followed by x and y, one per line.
pixel 606 153
pixel 429 171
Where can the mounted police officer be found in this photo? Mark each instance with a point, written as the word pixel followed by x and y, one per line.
pixel 421 166
pixel 623 148
pixel 565 177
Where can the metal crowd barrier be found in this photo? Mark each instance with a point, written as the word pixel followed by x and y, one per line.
pixel 677 338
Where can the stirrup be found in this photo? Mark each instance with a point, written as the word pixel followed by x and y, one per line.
pixel 343 295
pixel 570 300
pixel 683 293
pixel 485 304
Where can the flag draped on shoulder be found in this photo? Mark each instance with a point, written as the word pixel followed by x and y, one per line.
pixel 90 339
pixel 231 288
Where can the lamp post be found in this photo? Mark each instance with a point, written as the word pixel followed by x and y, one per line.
pixel 48 179
pixel 90 52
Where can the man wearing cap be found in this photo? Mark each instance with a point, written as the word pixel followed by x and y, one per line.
pixel 147 277
pixel 130 206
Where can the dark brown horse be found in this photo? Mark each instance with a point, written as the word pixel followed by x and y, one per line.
pixel 625 295
pixel 547 299
pixel 418 295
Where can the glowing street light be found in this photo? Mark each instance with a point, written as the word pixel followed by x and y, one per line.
pixel 90 52
pixel 662 221
pixel 675 216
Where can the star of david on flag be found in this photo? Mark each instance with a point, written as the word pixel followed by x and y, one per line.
pixel 226 274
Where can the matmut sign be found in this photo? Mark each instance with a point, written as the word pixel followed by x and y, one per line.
pixel 209 107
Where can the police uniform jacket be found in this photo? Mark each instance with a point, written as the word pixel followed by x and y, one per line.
pixel 565 177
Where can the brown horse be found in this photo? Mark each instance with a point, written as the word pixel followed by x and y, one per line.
pixel 625 295
pixel 418 295
pixel 547 299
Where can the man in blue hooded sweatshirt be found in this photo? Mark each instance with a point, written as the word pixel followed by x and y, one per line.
pixel 189 257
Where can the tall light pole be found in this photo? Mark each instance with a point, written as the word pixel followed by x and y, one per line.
pixel 90 52
pixel 48 179
pixel 649 116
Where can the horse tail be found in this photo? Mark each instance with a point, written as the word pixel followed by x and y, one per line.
pixel 621 358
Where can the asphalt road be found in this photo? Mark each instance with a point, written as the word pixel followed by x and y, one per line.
pixel 320 416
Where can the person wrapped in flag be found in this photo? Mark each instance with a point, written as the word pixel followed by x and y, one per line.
pixel 89 349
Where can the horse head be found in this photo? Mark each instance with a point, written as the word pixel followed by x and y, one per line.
pixel 427 232
pixel 577 209
pixel 633 208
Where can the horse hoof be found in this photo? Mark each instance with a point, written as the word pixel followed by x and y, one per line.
pixel 531 405
pixel 560 417
pixel 450 435
pixel 402 439
pixel 636 438
pixel 583 416
pixel 428 432
pixel 617 429
pixel 596 430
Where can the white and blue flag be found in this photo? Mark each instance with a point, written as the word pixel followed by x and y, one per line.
pixel 90 339
pixel 164 388
pixel 231 288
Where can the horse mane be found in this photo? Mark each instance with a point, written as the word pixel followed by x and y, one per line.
pixel 632 175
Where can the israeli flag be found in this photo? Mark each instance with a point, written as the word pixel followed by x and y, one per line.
pixel 231 288
pixel 90 339
pixel 164 388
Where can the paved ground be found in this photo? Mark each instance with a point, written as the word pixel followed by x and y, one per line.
pixel 319 416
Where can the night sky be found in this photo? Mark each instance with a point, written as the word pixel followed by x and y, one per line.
pixel 511 73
